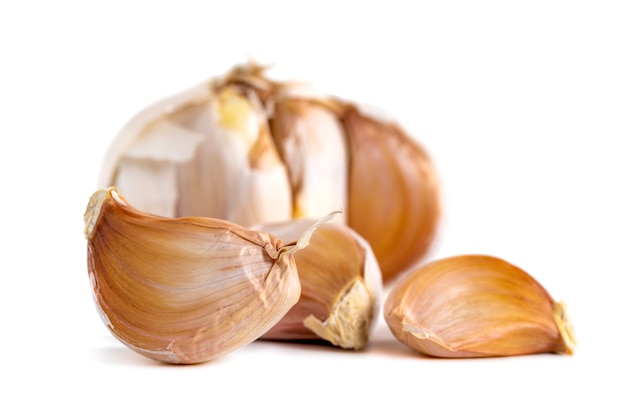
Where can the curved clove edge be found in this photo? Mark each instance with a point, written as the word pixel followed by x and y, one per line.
pixel 566 329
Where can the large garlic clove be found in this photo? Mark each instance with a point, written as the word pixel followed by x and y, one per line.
pixel 476 306
pixel 393 193
pixel 211 156
pixel 341 286
pixel 185 290
pixel 312 144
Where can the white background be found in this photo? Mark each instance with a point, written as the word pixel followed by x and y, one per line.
pixel 522 106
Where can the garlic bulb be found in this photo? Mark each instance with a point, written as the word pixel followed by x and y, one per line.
pixel 341 286
pixel 247 149
pixel 476 306
pixel 186 290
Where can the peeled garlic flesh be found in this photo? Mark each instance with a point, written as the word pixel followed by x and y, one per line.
pixel 185 290
pixel 251 150
pixel 476 306
pixel 341 286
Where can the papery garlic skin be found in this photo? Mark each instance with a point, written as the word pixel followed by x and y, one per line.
pixel 476 306
pixel 142 120
pixel 254 151
pixel 341 286
pixel 186 290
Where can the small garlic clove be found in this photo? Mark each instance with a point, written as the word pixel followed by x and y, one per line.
pixel 341 286
pixel 476 306
pixel 186 290
pixel 311 142
pixel 391 180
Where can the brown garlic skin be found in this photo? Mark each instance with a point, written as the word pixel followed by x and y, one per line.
pixel 341 286
pixel 476 306
pixel 185 290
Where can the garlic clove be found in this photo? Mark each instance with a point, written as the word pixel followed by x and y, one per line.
pixel 186 290
pixel 476 306
pixel 393 192
pixel 341 286
pixel 311 142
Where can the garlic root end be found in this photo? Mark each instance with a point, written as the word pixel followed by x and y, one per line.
pixel 564 324
pixel 92 212
pixel 348 324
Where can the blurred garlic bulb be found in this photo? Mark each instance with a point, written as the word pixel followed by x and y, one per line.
pixel 341 286
pixel 476 306
pixel 186 290
pixel 251 150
